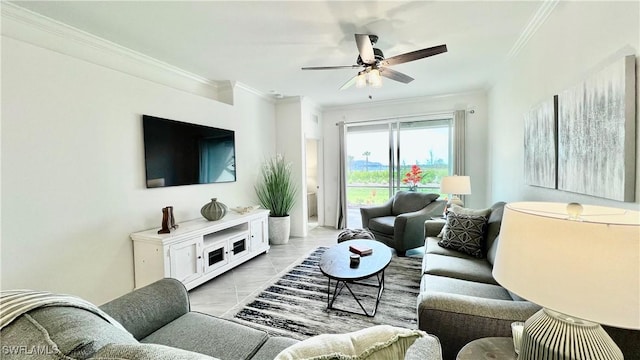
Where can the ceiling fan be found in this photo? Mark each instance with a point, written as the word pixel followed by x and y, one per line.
pixel 374 64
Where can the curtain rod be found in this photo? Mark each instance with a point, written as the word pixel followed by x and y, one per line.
pixel 389 119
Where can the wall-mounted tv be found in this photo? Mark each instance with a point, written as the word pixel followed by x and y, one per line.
pixel 179 153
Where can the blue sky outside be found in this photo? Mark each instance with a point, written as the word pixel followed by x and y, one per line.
pixel 421 146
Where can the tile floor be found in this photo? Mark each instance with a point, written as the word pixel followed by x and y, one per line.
pixel 226 292
pixel 223 293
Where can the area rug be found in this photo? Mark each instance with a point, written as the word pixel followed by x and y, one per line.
pixel 296 304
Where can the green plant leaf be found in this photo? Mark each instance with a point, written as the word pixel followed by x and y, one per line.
pixel 275 188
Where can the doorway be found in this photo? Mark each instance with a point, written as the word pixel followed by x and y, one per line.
pixel 381 157
pixel 312 182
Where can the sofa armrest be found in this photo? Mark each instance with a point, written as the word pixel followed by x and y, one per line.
pixel 441 314
pixel 147 309
pixel 432 228
pixel 370 212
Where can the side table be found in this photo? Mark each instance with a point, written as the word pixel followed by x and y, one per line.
pixel 500 348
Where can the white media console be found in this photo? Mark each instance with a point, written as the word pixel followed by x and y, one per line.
pixel 199 250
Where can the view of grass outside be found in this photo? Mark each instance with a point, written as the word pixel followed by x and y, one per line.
pixel 367 188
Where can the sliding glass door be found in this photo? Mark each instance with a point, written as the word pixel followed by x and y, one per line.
pixel 385 157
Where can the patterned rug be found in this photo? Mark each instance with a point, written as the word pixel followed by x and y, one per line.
pixel 296 304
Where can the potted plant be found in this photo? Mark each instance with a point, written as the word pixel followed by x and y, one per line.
pixel 413 177
pixel 277 192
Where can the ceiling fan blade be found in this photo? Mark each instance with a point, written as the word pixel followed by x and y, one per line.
pixel 414 55
pixel 365 48
pixel 349 83
pixel 395 75
pixel 331 67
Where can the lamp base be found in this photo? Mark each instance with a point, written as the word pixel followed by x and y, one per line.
pixel 552 335
pixel 455 201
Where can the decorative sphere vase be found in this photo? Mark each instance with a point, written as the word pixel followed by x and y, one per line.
pixel 214 210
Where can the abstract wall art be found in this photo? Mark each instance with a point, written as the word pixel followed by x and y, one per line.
pixel 540 145
pixel 596 133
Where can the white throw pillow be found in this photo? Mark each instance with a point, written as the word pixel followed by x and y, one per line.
pixel 381 342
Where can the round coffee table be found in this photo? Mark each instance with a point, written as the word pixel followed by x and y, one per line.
pixel 335 265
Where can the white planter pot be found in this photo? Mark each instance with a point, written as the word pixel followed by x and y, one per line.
pixel 279 230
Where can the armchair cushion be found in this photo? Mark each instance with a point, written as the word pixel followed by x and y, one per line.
pixel 408 201
pixel 383 224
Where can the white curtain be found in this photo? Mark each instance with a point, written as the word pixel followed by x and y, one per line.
pixel 459 129
pixel 341 213
pixel 459 138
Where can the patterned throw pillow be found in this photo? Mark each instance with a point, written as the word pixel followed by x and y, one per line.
pixel 465 233
pixel 457 209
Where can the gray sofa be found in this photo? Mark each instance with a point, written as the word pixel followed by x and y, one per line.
pixel 460 301
pixel 156 324
pixel 160 314
pixel 399 222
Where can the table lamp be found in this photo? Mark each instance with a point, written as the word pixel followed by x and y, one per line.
pixel 582 265
pixel 455 185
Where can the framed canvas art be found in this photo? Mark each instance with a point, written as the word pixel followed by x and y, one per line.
pixel 596 133
pixel 540 145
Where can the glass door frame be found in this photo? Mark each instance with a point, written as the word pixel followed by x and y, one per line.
pixel 394 129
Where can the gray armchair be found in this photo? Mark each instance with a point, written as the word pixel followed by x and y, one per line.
pixel 399 223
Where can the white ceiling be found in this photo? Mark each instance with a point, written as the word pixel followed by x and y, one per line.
pixel 263 44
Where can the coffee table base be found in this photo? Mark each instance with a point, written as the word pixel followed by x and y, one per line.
pixel 345 284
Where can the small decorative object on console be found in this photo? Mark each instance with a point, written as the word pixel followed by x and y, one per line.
pixel 245 209
pixel 214 210
pixel 168 221
pixel 361 250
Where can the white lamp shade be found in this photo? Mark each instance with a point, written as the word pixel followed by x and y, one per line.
pixel 458 185
pixel 587 268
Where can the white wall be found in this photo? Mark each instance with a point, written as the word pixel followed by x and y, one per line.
pixel 476 135
pixel 73 179
pixel 290 143
pixel 576 38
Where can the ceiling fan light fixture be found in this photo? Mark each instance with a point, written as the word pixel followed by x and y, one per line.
pixel 374 79
pixel 361 80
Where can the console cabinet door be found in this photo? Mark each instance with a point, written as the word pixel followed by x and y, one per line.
pixel 238 246
pixel 216 256
pixel 259 234
pixel 186 260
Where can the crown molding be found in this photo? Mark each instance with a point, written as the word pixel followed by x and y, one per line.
pixel 28 26
pixel 402 101
pixel 541 15
pixel 254 91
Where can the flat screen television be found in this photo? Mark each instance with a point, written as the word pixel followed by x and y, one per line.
pixel 178 153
